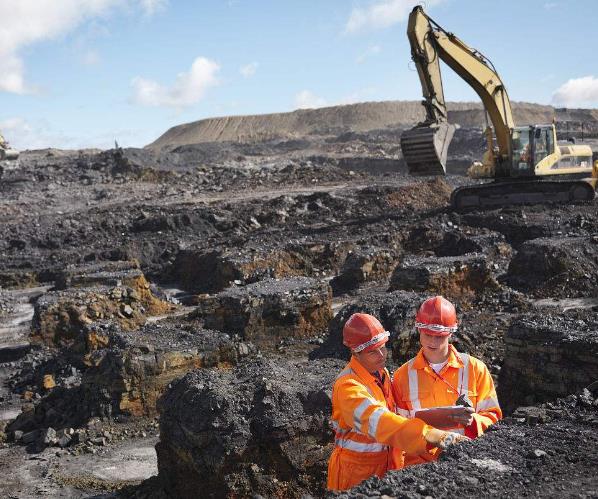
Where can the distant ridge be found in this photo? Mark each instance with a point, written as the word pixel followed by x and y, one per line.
pixel 352 117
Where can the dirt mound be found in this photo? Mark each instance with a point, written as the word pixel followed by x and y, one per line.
pixel 346 119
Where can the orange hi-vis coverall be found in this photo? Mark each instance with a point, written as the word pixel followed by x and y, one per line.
pixel 366 427
pixel 416 386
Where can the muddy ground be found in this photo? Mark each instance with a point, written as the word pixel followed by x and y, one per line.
pixel 124 270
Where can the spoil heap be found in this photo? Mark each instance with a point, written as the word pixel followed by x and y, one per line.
pixel 517 458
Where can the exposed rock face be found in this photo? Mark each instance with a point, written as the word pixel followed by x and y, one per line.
pixel 60 316
pixel 212 271
pixel 548 357
pixel 260 428
pixel 565 267
pixel 268 311
pixel 369 264
pixel 127 372
pixel 453 277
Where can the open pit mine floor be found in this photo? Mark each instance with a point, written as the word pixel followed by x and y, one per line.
pixel 170 320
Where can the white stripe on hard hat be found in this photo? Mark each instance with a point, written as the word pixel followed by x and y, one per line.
pixel 437 327
pixel 379 337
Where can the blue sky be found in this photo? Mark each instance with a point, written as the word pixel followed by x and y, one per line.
pixel 82 73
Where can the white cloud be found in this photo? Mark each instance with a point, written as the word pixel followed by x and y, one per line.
pixel 550 5
pixel 22 134
pixel 382 14
pixel 372 50
pixel 307 100
pixel 577 92
pixel 188 89
pixel 26 22
pixel 152 6
pixel 90 58
pixel 249 69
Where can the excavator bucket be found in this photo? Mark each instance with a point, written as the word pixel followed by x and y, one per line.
pixel 8 154
pixel 425 148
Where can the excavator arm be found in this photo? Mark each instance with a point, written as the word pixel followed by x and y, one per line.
pixel 425 146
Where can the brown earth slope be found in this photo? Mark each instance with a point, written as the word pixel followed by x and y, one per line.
pixel 353 117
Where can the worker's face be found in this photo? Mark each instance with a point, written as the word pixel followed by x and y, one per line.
pixel 435 347
pixel 373 360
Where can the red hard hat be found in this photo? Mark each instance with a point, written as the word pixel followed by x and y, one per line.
pixel 436 316
pixel 363 332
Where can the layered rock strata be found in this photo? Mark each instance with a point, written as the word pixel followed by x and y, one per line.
pixel 548 357
pixel 271 310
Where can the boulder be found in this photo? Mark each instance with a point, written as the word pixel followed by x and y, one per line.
pixel 261 428
pixel 364 265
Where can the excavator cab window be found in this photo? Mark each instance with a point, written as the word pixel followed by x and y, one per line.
pixel 521 145
pixel 543 143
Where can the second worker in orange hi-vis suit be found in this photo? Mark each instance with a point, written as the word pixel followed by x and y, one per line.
pixel 363 412
pixel 443 387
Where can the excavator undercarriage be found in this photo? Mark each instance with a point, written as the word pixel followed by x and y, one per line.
pixel 505 192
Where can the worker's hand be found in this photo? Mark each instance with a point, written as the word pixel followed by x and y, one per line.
pixel 444 439
pixel 462 415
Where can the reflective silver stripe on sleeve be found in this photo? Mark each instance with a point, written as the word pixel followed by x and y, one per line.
pixel 358 412
pixel 489 403
pixel 360 446
pixel 337 428
pixel 460 431
pixel 344 372
pixel 464 375
pixel 373 421
pixel 403 412
pixel 413 388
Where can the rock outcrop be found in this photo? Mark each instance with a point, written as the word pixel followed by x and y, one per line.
pixel 261 428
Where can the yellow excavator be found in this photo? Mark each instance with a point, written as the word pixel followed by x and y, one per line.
pixel 8 156
pixel 527 163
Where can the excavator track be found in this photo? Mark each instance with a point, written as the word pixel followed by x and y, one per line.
pixel 425 148
pixel 507 193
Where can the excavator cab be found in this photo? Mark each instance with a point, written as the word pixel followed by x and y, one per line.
pixel 530 145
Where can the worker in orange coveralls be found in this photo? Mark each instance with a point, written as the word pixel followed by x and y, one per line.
pixel 363 412
pixel 445 388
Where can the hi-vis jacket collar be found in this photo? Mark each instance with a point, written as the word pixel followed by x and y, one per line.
pixel 437 327
pixel 376 339
pixel 454 359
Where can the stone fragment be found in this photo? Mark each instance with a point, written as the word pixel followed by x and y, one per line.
pixel 370 264
pixel 48 382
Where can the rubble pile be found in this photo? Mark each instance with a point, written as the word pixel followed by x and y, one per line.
pixel 519 457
